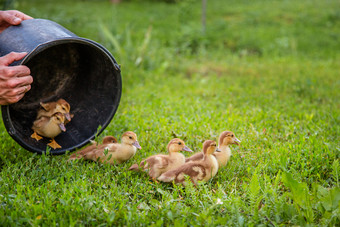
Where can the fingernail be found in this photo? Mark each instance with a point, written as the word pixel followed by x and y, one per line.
pixel 17 20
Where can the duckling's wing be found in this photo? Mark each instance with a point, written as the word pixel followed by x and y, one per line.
pixel 168 176
pixel 94 151
pixel 195 171
pixel 80 154
pixel 195 157
pixel 163 162
pixel 39 123
pixel 155 165
pixel 156 161
pixel 94 155
pixel 111 147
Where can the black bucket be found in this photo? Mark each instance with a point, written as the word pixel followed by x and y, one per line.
pixel 66 66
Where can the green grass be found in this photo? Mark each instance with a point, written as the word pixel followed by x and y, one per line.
pixel 267 70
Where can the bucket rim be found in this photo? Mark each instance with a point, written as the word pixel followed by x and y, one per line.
pixel 66 40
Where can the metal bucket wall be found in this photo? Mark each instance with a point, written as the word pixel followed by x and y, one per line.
pixel 65 66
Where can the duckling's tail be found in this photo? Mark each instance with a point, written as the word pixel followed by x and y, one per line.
pixel 78 155
pixel 75 156
pixel 134 167
pixel 82 153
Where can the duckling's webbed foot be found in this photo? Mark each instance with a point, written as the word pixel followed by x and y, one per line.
pixel 54 144
pixel 36 136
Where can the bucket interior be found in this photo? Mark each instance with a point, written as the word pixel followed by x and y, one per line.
pixel 82 73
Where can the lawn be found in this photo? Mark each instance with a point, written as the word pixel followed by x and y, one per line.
pixel 266 70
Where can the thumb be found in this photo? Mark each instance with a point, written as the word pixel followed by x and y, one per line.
pixel 11 57
pixel 11 18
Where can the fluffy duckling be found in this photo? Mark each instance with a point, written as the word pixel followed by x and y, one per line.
pixel 116 152
pixel 106 140
pixel 109 139
pixel 202 170
pixel 50 108
pixel 49 127
pixel 94 146
pixel 226 138
pixel 160 163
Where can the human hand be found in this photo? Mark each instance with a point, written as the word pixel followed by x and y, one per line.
pixel 11 17
pixel 15 81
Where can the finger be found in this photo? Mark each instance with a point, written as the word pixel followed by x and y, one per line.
pixel 11 57
pixel 19 82
pixel 10 18
pixel 27 88
pixel 12 97
pixel 20 70
pixel 20 90
pixel 25 80
pixel 24 89
pixel 17 92
pixel 16 98
pixel 21 15
pixel 14 17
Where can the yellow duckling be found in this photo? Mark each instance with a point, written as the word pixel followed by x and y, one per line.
pixel 50 108
pixel 160 163
pixel 116 152
pixel 49 127
pixel 202 170
pixel 226 138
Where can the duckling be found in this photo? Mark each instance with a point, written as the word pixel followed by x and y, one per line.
pixel 160 163
pixel 226 138
pixel 202 170
pixel 49 127
pixel 106 140
pixel 116 152
pixel 93 146
pixel 50 108
pixel 109 139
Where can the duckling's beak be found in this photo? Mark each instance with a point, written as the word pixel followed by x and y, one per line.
pixel 237 141
pixel 68 116
pixel 62 127
pixel 218 150
pixel 136 144
pixel 185 148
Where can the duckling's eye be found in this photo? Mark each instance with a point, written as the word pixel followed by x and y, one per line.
pixel 130 137
pixel 179 143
